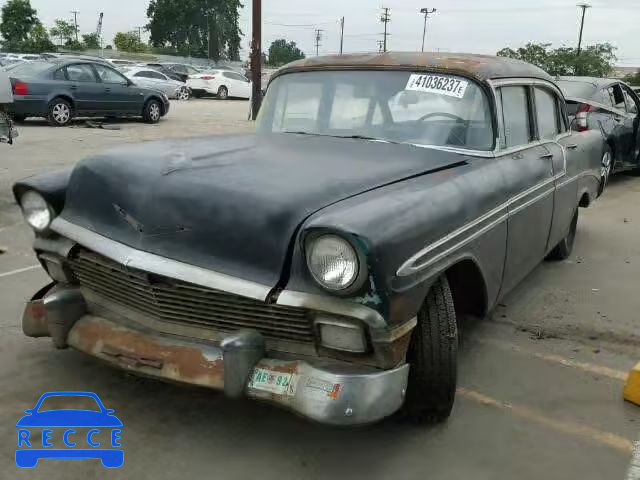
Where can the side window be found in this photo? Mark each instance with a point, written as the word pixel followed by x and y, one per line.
pixel 59 74
pixel 81 72
pixel 604 97
pixel 617 97
pixel 157 76
pixel 632 105
pixel 515 117
pixel 546 114
pixel 143 74
pixel 109 75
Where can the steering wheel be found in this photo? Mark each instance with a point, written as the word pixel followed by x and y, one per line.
pixel 442 114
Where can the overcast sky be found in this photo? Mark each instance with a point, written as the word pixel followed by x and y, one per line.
pixel 459 25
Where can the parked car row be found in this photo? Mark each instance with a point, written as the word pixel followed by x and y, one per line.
pixel 325 263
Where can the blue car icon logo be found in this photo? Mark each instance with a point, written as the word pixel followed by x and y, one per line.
pixel 76 433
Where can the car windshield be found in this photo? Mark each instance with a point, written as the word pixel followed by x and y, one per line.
pixel 66 402
pixel 28 69
pixel 576 89
pixel 426 109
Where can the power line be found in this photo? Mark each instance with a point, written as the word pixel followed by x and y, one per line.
pixel 318 40
pixel 426 12
pixel 385 18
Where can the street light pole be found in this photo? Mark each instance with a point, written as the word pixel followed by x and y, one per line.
pixel 584 7
pixel 256 59
pixel 426 12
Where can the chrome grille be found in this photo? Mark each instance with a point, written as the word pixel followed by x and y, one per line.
pixel 181 302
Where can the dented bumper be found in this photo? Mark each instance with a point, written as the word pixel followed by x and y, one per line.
pixel 338 394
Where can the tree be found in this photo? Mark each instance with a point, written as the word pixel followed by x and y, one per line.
pixel 594 60
pixel 91 40
pixel 281 52
pixel 18 19
pixel 633 78
pixel 64 31
pixel 38 41
pixel 129 42
pixel 207 28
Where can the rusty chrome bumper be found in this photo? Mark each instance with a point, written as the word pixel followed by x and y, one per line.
pixel 337 395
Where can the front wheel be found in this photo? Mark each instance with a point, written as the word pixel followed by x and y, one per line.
pixel 432 357
pixel 605 169
pixel 152 111
pixel 563 250
pixel 183 94
pixel 60 113
pixel 223 93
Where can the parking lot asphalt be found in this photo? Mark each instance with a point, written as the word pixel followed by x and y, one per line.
pixel 540 380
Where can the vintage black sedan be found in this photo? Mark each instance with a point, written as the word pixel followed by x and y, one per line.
pixel 612 107
pixel 62 89
pixel 324 263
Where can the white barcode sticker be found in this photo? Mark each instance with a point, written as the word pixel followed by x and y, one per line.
pixel 438 84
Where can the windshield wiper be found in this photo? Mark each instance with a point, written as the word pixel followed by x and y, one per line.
pixel 304 133
pixel 363 137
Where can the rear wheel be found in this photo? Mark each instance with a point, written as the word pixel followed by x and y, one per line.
pixel 183 94
pixel 152 111
pixel 60 112
pixel 223 93
pixel 563 250
pixel 605 169
pixel 432 357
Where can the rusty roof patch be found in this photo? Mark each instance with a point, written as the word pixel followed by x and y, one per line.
pixel 482 67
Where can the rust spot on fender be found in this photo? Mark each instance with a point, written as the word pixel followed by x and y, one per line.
pixel 134 350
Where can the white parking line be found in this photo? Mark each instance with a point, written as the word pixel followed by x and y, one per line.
pixel 19 270
pixel 634 468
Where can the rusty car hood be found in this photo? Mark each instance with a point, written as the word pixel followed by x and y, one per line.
pixel 232 204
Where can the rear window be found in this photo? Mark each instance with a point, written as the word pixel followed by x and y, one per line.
pixel 28 69
pixel 572 88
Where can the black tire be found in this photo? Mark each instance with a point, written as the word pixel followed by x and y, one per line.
pixel 152 111
pixel 563 250
pixel 432 357
pixel 59 113
pixel 223 93
pixel 606 168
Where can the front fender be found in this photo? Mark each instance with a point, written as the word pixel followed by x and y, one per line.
pixel 51 185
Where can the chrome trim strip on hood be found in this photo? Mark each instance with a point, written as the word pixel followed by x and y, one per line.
pixel 149 262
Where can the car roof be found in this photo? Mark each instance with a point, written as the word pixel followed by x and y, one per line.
pixel 595 81
pixel 481 67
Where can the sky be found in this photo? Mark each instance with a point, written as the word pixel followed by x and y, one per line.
pixel 472 26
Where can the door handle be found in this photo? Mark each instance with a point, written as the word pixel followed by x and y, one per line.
pixel 73 87
pixel 107 89
pixel 548 155
pixel 573 146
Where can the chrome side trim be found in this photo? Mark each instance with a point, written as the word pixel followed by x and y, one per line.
pixel 532 201
pixel 130 257
pixel 337 306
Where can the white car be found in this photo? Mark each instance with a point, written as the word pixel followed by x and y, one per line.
pixel 117 62
pixel 150 78
pixel 221 83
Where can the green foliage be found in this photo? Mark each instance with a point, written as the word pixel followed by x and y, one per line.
pixel 129 42
pixel 38 41
pixel 64 31
pixel 91 40
pixel 633 79
pixel 18 19
pixel 594 60
pixel 195 27
pixel 281 52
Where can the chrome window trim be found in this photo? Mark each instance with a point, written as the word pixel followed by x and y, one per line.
pixel 149 262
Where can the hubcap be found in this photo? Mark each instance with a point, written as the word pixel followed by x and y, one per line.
pixel 61 113
pixel 183 95
pixel 223 93
pixel 605 169
pixel 154 111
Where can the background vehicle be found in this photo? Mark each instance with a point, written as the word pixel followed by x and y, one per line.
pixel 167 71
pixel 221 83
pixel 150 78
pixel 612 107
pixel 117 62
pixel 60 90
pixel 7 132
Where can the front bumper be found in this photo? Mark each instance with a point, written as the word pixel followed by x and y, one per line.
pixel 332 393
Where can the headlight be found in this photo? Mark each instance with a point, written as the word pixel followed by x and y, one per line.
pixel 333 262
pixel 36 211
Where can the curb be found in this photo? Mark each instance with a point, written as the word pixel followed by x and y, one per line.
pixel 632 387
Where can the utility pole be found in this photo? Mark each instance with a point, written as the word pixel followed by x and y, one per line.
pixel 256 59
pixel 208 38
pixel 584 7
pixel 75 22
pixel 139 29
pixel 426 12
pixel 385 18
pixel 341 34
pixel 318 40
pixel 380 45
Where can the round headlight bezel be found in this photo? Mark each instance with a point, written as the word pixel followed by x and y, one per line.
pixel 360 270
pixel 28 211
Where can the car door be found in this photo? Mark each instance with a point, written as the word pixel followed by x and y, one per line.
pixel 623 125
pixel 529 176
pixel 633 121
pixel 121 97
pixel 88 93
pixel 243 85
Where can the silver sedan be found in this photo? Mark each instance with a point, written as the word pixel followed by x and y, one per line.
pixel 150 78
